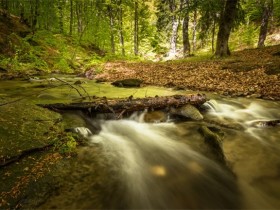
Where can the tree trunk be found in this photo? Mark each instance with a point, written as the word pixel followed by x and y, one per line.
pixel 267 12
pixel 194 29
pixel 226 23
pixel 121 27
pixel 71 18
pixel 103 105
pixel 60 9
pixel 213 36
pixel 112 37
pixel 79 16
pixel 34 14
pixel 136 29
pixel 174 29
pixel 185 30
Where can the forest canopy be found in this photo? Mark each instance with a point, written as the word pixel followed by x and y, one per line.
pixel 154 28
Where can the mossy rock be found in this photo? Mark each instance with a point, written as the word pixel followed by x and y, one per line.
pixel 188 111
pixel 214 142
pixel 24 126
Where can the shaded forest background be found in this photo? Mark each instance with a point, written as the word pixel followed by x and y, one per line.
pixel 77 34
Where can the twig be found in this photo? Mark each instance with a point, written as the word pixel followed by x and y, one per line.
pixel 85 91
pixel 69 85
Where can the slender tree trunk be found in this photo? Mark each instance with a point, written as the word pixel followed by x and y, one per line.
pixel 60 8
pixel 174 29
pixel 174 36
pixel 136 29
pixel 121 27
pixel 185 30
pixel 79 17
pixel 213 36
pixel 226 24
pixel 194 29
pixel 71 18
pixel 267 12
pixel 112 37
pixel 34 14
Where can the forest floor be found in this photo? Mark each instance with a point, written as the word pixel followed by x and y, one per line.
pixel 250 73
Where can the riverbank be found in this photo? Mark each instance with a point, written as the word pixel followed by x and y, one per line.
pixel 248 73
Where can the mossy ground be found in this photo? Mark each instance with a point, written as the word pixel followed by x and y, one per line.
pixel 32 141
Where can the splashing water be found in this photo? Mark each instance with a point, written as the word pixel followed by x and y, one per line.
pixel 251 116
pixel 155 170
pixel 136 165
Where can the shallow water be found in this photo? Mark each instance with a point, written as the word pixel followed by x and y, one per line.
pixel 133 164
pixel 44 91
pixel 168 165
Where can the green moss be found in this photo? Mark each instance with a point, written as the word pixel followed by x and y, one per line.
pixel 25 126
pixel 66 143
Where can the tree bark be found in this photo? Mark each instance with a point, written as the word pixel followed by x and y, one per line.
pixel 174 36
pixel 103 105
pixel 136 29
pixel 79 16
pixel 267 12
pixel 121 27
pixel 112 37
pixel 185 30
pixel 226 23
pixel 71 18
pixel 194 28
pixel 60 8
pixel 213 36
pixel 174 29
pixel 34 14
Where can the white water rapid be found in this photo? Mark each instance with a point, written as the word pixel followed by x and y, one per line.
pixel 157 171
pixel 169 166
pixel 132 164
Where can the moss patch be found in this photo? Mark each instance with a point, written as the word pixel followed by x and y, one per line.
pixel 24 126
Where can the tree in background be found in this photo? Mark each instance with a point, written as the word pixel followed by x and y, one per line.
pixel 267 8
pixel 169 19
pixel 226 24
pixel 209 11
pixel 185 29
pixel 139 27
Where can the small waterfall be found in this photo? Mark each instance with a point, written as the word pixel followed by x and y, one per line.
pixel 212 105
pixel 154 170
pixel 253 116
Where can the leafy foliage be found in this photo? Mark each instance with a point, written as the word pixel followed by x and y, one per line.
pixel 66 144
pixel 60 27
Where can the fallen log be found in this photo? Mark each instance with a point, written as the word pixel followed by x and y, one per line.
pixel 129 105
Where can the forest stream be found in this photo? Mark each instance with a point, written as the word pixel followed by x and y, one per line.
pixel 164 163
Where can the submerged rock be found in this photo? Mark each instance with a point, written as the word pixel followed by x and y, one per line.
pixel 127 83
pixel 264 123
pixel 155 117
pixel 83 131
pixel 214 142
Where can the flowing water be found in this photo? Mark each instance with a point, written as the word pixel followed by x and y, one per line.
pixel 131 164
pixel 168 165
pixel 156 170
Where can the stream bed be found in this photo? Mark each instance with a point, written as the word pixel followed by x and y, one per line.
pixel 132 164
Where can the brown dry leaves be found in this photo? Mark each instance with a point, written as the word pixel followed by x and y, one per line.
pixel 244 73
